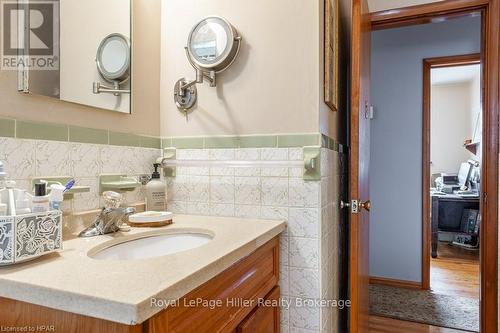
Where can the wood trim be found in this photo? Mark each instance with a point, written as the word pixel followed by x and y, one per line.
pixel 490 11
pixel 358 168
pixel 395 283
pixel 428 64
pixel 489 181
pixel 426 177
pixel 425 13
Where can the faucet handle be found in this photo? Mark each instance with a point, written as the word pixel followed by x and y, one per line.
pixel 112 199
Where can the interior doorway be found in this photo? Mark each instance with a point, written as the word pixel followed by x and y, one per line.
pixel 447 11
pixel 452 156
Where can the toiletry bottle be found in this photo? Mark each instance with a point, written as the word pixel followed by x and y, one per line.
pixel 3 209
pixel 11 197
pixel 155 192
pixel 3 175
pixel 23 205
pixel 56 196
pixel 40 200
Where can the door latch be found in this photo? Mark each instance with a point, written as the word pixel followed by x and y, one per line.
pixel 357 205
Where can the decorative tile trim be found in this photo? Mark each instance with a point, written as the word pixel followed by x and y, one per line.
pixel 124 139
pixel 299 140
pixel 41 131
pixel 264 141
pixel 332 144
pixel 8 128
pixel 88 135
pixel 57 132
pixel 150 142
pixel 187 143
pixel 245 141
pixel 21 129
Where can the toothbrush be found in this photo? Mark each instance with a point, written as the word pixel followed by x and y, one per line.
pixel 69 185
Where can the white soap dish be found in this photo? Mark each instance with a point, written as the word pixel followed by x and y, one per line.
pixel 150 219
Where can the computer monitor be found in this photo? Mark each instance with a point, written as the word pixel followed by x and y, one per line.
pixel 465 174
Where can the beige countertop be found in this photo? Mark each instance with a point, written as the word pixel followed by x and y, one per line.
pixel 121 291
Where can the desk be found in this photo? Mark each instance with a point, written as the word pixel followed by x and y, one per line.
pixel 446 214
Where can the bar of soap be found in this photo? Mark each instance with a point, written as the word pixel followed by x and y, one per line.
pixel 151 219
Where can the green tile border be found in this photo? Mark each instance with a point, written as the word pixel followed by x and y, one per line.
pixel 298 140
pixel 88 135
pixel 252 141
pixel 150 142
pixel 34 130
pixel 188 143
pixel 262 141
pixel 222 142
pixel 41 131
pixel 124 139
pixel 57 132
pixel 8 128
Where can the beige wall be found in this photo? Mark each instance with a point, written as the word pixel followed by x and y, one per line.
pixel 450 125
pixel 377 5
pixel 146 85
pixel 273 87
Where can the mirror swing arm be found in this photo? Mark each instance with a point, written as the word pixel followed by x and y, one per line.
pixel 98 88
pixel 185 92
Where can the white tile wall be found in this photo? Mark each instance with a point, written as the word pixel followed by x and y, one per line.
pixel 25 159
pixel 308 267
pixel 308 248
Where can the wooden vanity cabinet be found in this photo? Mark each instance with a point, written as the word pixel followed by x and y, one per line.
pixel 239 293
pixel 263 319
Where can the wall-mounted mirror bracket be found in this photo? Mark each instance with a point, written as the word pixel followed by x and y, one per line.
pixel 213 45
pixel 115 90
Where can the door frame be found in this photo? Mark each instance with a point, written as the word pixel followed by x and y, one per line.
pixel 490 12
pixel 428 65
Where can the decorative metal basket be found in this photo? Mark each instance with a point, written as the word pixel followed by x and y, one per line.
pixel 29 236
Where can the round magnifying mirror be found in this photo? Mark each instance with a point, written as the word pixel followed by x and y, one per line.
pixel 213 44
pixel 113 58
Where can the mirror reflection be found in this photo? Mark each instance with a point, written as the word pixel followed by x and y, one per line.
pixel 94 61
pixel 209 40
pixel 114 57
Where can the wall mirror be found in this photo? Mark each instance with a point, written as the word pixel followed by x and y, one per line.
pixel 213 45
pixel 94 56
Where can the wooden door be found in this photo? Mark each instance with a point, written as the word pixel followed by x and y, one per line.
pixel 359 157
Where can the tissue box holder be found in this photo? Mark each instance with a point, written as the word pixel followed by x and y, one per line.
pixel 29 236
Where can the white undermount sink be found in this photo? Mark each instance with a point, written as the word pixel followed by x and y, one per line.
pixel 150 246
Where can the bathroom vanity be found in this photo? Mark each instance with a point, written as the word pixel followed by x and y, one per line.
pixel 229 284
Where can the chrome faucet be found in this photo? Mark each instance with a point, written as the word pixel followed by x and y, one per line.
pixel 111 217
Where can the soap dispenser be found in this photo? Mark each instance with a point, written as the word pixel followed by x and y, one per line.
pixel 155 192
pixel 3 175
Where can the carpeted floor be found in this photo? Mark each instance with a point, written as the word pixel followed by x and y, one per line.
pixel 425 307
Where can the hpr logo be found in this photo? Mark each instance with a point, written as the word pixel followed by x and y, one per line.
pixel 30 34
